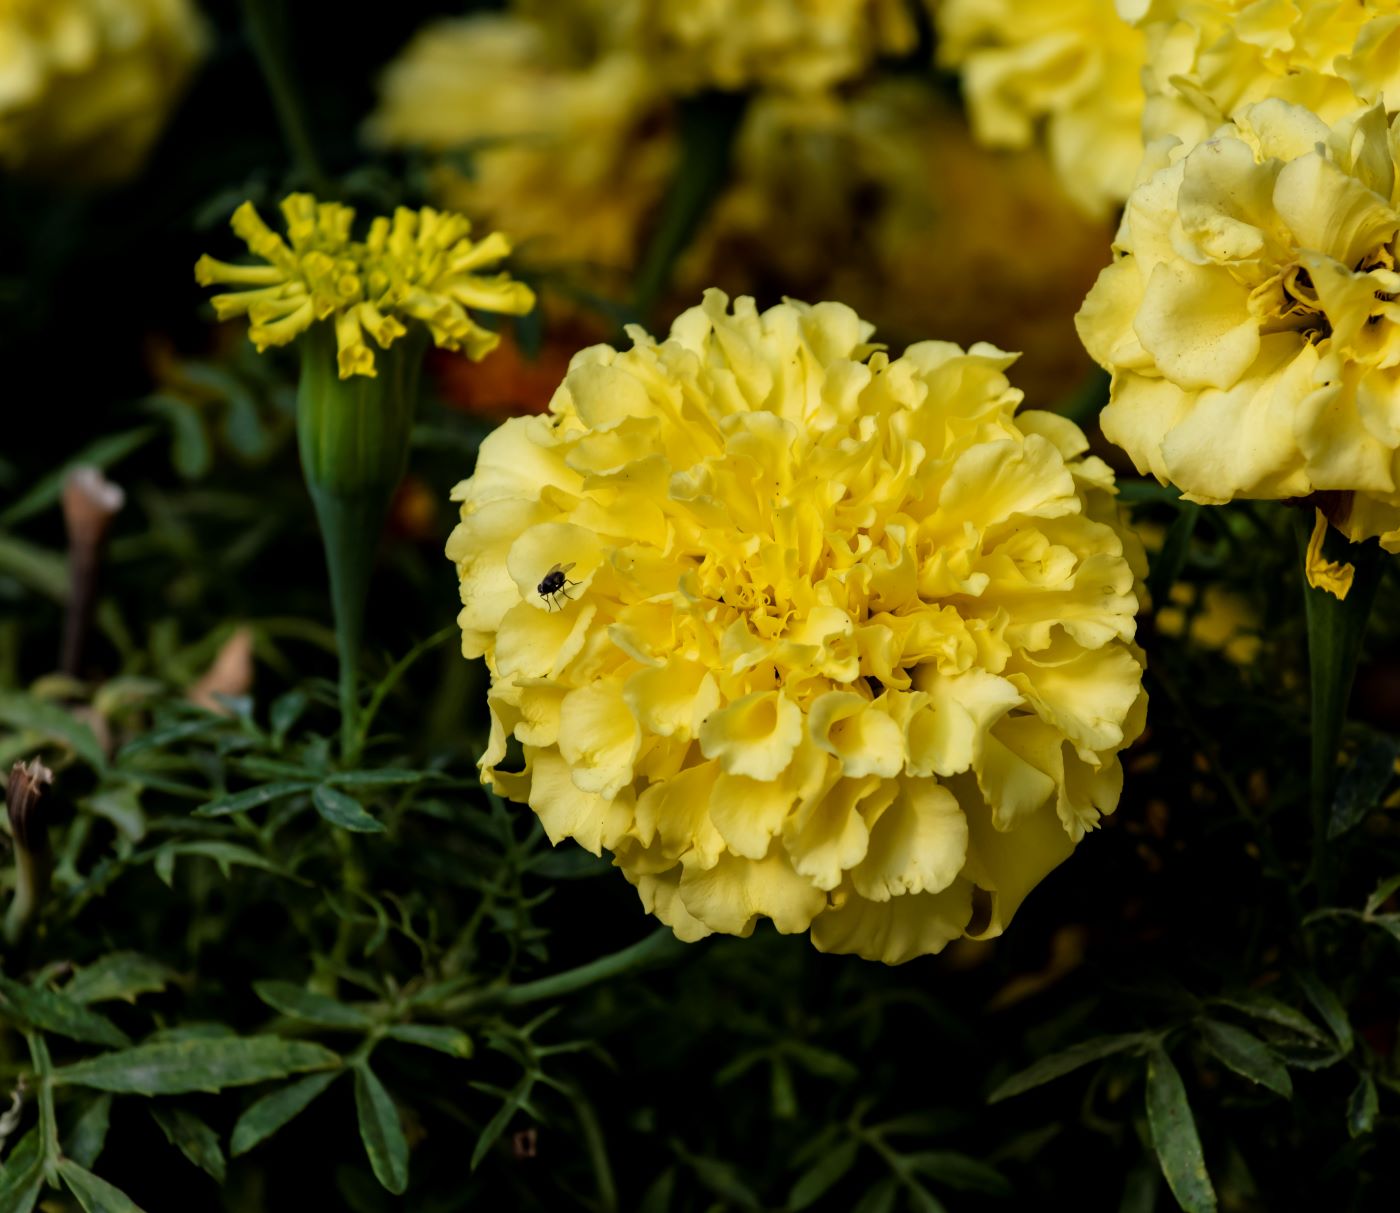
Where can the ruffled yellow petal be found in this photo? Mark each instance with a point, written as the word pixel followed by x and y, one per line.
pixel 1324 574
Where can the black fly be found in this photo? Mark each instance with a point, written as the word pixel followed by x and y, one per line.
pixel 552 586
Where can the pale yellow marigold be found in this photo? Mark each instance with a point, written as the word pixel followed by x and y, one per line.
pixel 800 631
pixel 420 266
pixel 799 45
pixel 571 152
pixel 1208 59
pixel 87 85
pixel 1069 67
pixel 1250 320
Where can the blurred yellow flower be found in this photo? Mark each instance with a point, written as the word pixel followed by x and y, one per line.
pixel 1071 67
pixel 1250 322
pixel 87 85
pixel 1208 59
pixel 1213 618
pixel 418 266
pixel 570 151
pixel 800 631
pixel 881 197
pixel 799 45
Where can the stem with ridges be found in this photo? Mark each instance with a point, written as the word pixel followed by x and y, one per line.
pixel 1336 628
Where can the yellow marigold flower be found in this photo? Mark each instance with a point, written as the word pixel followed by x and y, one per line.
pixel 571 152
pixel 418 266
pixel 1071 67
pixel 1250 321
pixel 86 85
pixel 800 631
pixel 1208 59
pixel 799 45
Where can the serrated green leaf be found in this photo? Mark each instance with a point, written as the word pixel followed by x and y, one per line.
pixel 158 739
pixel 1390 923
pixel 958 1171
pixel 880 1198
pixel 344 811
pixel 192 1137
pixel 1247 1055
pixel 120 806
pixel 207 1064
pixel 52 1012
pixel 225 854
pixel 94 1194
pixel 1362 1107
pixel 251 798
pixel 301 1003
pixel 1058 1064
pixel 1268 1009
pixel 381 1131
pixel 89 1133
pixel 1384 891
pixel 49 720
pixel 1329 1007
pixel 382 778
pixel 825 1175
pixel 1174 1136
pixel 120 976
pixel 265 1116
pixel 22 1176
pixel 286 710
pixel 432 1036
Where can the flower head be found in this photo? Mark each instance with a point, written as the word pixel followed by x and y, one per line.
pixel 1250 319
pixel 801 631
pixel 1206 60
pixel 573 153
pixel 1071 67
pixel 86 85
pixel 418 266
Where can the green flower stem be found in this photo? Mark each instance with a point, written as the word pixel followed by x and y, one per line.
pixel 708 124
pixel 262 20
pixel 353 435
pixel 1336 628
pixel 660 947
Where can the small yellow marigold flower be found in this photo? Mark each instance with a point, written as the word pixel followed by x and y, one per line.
pixel 800 631
pixel 572 154
pixel 1071 67
pixel 418 266
pixel 1250 320
pixel 1209 59
pixel 87 85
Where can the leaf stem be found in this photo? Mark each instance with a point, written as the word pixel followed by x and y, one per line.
pixel 48 1118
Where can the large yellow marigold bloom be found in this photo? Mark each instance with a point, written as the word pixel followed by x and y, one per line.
pixel 570 152
pixel 86 85
pixel 418 267
pixel 799 45
pixel 1208 59
pixel 1250 320
pixel 800 631
pixel 1071 67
